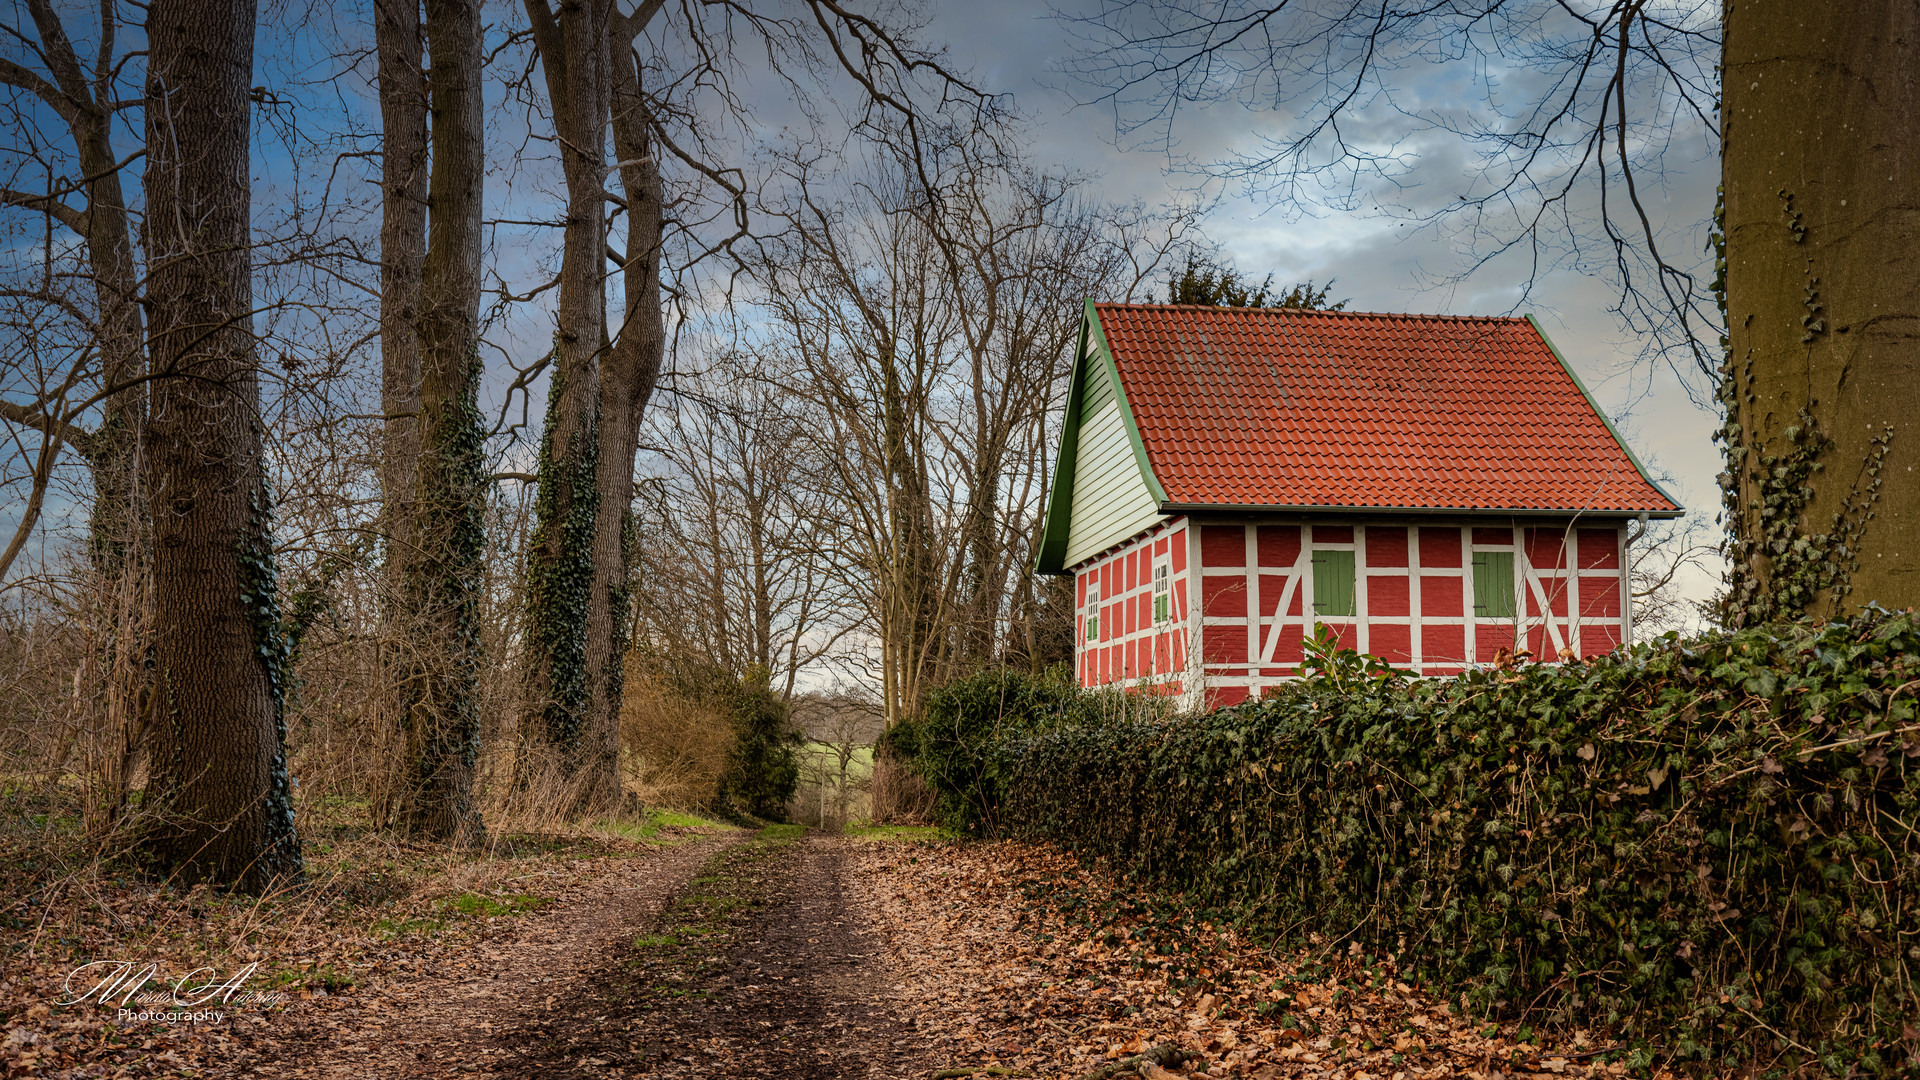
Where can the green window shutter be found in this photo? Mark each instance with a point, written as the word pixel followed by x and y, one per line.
pixel 1160 613
pixel 1093 628
pixel 1493 584
pixel 1333 583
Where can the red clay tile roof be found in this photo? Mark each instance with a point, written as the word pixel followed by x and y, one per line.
pixel 1241 406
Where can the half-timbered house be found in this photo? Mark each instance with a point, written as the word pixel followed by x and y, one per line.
pixel 1439 491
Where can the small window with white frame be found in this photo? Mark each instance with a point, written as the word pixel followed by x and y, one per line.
pixel 1162 593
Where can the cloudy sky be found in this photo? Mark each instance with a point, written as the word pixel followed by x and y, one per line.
pixel 1382 258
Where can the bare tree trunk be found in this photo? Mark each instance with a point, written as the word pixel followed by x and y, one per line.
pixel 627 375
pixel 573 53
pixel 220 769
pixel 119 536
pixel 403 243
pixel 441 576
pixel 1822 186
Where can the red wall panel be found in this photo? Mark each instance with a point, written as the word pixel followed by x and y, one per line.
pixel 1388 595
pixel 1439 547
pixel 1219 697
pixel 1333 534
pixel 1599 549
pixel 1225 597
pixel 1345 634
pixel 1279 545
pixel 1386 546
pixel 1546 547
pixel 1393 644
pixel 1598 640
pixel 1440 597
pixel 1288 649
pixel 1224 644
pixel 1554 588
pixel 1223 545
pixel 1443 644
pixel 1600 598
pixel 1272 588
pixel 1493 536
pixel 1542 645
pixel 1490 638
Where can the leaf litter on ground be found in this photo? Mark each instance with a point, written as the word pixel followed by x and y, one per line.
pixel 376 923
pixel 1029 963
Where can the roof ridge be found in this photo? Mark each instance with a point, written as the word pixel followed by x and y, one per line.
pixel 1213 308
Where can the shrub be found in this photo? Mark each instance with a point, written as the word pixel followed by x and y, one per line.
pixel 764 768
pixel 696 735
pixel 962 721
pixel 1708 845
pixel 675 745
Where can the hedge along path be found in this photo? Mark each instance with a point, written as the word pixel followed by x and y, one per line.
pixel 1028 964
pixel 1704 848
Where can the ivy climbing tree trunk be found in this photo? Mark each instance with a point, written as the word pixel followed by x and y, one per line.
pixel 1821 109
pixel 440 580
pixel 628 371
pixel 572 44
pixel 219 767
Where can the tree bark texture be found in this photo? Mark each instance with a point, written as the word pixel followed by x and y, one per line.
pixel 220 772
pixel 573 53
pixel 1821 108
pixel 628 372
pixel 442 574
pixel 403 241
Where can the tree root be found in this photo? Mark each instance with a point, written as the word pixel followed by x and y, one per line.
pixel 1164 1056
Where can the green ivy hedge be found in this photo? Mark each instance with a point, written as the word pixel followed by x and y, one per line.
pixel 1707 846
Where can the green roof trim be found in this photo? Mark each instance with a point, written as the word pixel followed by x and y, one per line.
pixel 1053 536
pixel 1604 419
pixel 1126 407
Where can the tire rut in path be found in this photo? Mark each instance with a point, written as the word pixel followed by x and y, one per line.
pixel 448 1022
pixel 796 986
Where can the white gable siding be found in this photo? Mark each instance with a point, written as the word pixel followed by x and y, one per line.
pixel 1111 501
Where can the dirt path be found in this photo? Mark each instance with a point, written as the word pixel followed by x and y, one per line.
pixel 739 958
pixel 765 968
pixel 448 1020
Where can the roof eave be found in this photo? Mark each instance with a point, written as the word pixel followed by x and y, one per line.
pixel 1417 511
pixel 1093 338
pixel 1679 510
pixel 1053 532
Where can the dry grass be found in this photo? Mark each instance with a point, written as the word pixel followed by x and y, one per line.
pixel 900 796
pixel 674 750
